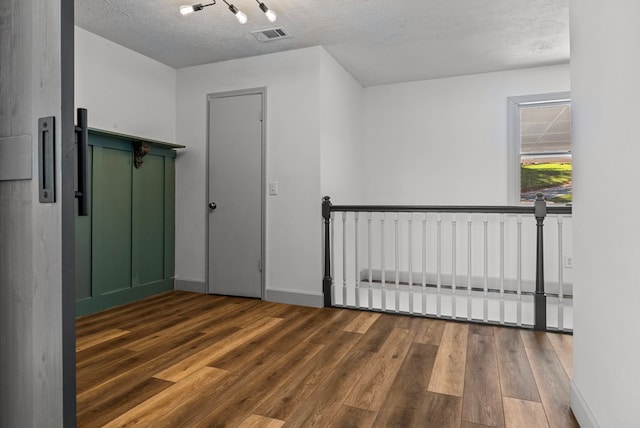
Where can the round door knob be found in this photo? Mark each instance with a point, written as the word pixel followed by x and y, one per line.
pixel 213 205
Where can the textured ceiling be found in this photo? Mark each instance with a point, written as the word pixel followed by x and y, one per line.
pixel 377 41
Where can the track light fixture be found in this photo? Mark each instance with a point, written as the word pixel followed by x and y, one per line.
pixel 240 16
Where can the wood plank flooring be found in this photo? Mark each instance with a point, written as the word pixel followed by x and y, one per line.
pixel 190 360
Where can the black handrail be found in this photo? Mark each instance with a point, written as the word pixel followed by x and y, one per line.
pixel 539 210
pixel 481 209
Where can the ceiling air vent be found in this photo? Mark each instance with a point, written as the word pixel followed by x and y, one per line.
pixel 271 34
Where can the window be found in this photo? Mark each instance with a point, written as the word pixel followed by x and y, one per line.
pixel 540 149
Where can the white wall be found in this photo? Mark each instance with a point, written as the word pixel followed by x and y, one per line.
pixel 123 90
pixel 444 141
pixel 341 143
pixel 604 64
pixel 293 243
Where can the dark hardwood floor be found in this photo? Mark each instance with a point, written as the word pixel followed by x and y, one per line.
pixel 192 360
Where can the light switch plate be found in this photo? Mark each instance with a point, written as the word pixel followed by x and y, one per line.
pixel 273 188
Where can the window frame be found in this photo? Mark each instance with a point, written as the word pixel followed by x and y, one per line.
pixel 513 135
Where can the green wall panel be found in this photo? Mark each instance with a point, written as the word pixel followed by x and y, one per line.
pixel 126 245
pixel 111 231
pixel 169 215
pixel 100 303
pixel 148 220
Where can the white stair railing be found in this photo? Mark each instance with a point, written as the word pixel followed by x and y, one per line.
pixel 475 263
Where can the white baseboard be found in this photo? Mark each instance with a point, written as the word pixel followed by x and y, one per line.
pixel 292 297
pixel 510 284
pixel 192 286
pixel 581 410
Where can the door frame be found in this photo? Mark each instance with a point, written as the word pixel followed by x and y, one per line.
pixel 263 165
pixel 68 133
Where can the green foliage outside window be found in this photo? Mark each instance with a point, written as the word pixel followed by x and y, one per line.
pixel 552 178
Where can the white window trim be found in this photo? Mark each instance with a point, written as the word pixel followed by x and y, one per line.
pixel 513 135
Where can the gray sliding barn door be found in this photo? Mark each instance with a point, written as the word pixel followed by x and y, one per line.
pixel 37 360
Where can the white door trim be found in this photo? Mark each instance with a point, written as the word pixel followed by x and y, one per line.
pixel 252 91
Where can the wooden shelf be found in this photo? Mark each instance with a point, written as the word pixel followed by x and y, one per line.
pixel 135 139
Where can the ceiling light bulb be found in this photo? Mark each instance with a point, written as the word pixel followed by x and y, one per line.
pixel 271 15
pixel 186 10
pixel 240 15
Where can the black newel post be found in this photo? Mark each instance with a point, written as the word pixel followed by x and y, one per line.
pixel 540 299
pixel 326 281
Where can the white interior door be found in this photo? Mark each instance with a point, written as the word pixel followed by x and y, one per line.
pixel 235 195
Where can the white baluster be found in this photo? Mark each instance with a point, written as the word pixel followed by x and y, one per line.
pixel 370 261
pixel 397 261
pixel 333 262
pixel 409 240
pixel 383 283
pixel 356 216
pixel 424 264
pixel 469 300
pixel 560 276
pixel 501 268
pixel 519 272
pixel 344 258
pixel 485 283
pixel 439 261
pixel 453 266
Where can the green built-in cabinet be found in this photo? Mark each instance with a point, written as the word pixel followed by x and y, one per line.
pixel 125 247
